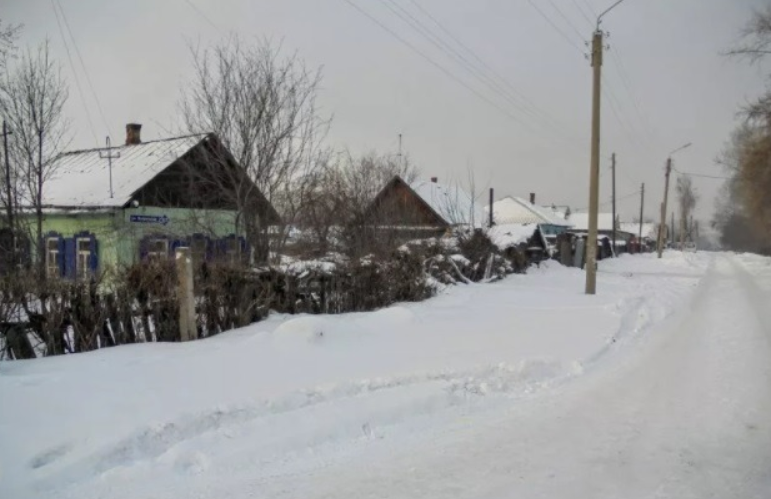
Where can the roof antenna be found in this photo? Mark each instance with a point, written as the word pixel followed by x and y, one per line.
pixel 109 156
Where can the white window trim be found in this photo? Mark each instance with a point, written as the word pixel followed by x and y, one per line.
pixel 52 265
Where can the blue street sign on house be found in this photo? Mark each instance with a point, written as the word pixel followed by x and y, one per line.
pixel 149 219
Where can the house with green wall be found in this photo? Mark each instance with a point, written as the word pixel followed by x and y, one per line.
pixel 137 202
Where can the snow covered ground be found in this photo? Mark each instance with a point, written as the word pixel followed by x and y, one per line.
pixel 660 386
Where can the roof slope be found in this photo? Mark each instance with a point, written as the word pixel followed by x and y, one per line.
pixel 82 178
pixel 514 210
pixel 581 221
pixel 648 228
pixel 451 203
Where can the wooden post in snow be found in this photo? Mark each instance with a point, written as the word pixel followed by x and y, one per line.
pixel 186 297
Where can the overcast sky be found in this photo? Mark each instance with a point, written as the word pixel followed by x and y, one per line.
pixel 665 81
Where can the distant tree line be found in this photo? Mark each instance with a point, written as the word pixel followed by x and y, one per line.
pixel 743 214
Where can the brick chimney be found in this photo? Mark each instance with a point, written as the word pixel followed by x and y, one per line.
pixel 133 134
pixel 532 198
pixel 434 179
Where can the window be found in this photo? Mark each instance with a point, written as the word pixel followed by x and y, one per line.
pixel 198 247
pixel 52 257
pixel 232 250
pixel 157 249
pixel 82 257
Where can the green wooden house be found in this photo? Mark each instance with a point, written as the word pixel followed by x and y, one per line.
pixel 122 205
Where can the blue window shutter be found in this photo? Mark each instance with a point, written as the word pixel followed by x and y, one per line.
pixel 60 257
pixel 209 249
pixel 93 261
pixel 70 260
pixel 221 248
pixel 244 248
pixel 143 249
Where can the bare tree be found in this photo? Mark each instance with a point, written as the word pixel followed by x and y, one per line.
pixel 32 97
pixel 8 35
pixel 686 199
pixel 262 107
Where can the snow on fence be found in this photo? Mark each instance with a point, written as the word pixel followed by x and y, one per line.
pixel 142 303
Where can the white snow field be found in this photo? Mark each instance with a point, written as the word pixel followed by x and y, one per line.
pixel 658 387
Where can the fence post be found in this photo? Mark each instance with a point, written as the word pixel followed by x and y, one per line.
pixel 184 262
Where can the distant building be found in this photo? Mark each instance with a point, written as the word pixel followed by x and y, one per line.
pixel 423 208
pixel 148 204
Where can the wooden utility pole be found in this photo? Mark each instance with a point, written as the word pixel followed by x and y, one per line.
pixel 594 168
pixel 186 297
pixel 613 171
pixel 664 207
pixel 491 221
pixel 642 206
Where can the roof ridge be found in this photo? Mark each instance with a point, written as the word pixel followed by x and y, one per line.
pixel 167 139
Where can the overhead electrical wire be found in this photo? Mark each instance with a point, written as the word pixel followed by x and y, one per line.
pixel 438 66
pixel 555 27
pixel 583 13
pixel 701 175
pixel 201 13
pixel 567 20
pixel 83 65
pixel 526 102
pixel 627 83
pixel 75 74
pixel 467 65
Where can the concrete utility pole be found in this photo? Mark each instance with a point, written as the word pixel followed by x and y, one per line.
pixel 662 225
pixel 613 171
pixel 594 166
pixel 642 206
pixel 664 207
pixel 186 296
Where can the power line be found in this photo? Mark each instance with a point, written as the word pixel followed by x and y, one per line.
pixel 583 14
pixel 74 73
pixel 567 20
pixel 555 27
pixel 615 109
pixel 83 65
pixel 591 9
pixel 701 175
pixel 465 64
pixel 204 16
pixel 627 82
pixel 527 103
pixel 428 59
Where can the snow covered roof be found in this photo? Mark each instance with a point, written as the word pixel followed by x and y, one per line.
pixel 514 210
pixel 648 229
pixel 451 203
pixel 508 235
pixel 581 221
pixel 81 178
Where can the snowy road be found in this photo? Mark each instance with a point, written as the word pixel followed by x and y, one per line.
pixel 659 387
pixel 686 413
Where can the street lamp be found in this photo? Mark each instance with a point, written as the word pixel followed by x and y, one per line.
pixel 666 198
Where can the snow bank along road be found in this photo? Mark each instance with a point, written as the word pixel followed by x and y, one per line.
pixel 658 387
